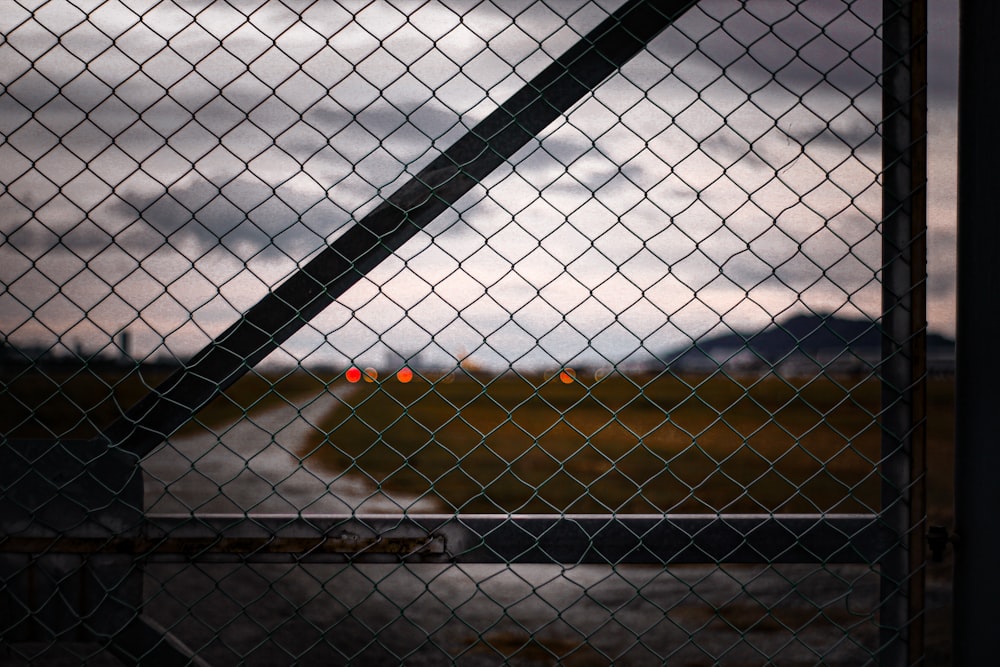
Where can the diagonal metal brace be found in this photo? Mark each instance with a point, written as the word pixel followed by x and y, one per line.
pixel 374 238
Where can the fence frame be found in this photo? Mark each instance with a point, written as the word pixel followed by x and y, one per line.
pixel 903 372
pixel 114 545
pixel 977 447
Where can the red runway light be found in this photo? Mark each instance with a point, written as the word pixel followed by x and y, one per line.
pixel 353 374
pixel 404 375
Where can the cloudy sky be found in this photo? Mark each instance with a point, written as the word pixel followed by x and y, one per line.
pixel 942 162
pixel 164 168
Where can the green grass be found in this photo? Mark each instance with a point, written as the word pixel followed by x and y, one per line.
pixel 527 444
pixel 69 401
pixel 524 444
pixel 79 401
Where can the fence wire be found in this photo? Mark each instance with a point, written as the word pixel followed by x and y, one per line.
pixel 462 332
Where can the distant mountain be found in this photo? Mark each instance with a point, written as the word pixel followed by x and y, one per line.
pixel 826 340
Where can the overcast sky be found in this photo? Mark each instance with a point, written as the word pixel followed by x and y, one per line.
pixel 726 177
pixel 942 162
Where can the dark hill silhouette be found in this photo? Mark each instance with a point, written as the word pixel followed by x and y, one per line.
pixel 819 337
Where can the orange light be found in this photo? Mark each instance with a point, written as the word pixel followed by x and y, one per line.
pixel 567 376
pixel 404 375
pixel 371 374
pixel 353 374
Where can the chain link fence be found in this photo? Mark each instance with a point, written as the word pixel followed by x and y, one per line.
pixel 462 332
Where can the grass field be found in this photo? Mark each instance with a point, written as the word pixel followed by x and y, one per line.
pixel 530 444
pixel 527 444
pixel 79 401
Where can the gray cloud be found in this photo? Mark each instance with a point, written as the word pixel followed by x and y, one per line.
pixel 216 160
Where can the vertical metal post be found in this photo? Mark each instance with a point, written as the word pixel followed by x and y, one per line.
pixel 977 446
pixel 903 370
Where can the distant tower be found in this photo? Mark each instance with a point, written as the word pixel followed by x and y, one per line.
pixel 123 346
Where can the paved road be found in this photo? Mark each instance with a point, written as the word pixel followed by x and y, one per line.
pixel 251 465
pixel 273 614
pixel 522 615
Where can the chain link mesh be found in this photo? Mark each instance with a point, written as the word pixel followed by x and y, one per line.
pixel 668 299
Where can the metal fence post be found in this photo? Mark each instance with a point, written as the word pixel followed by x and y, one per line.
pixel 977 454
pixel 903 371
